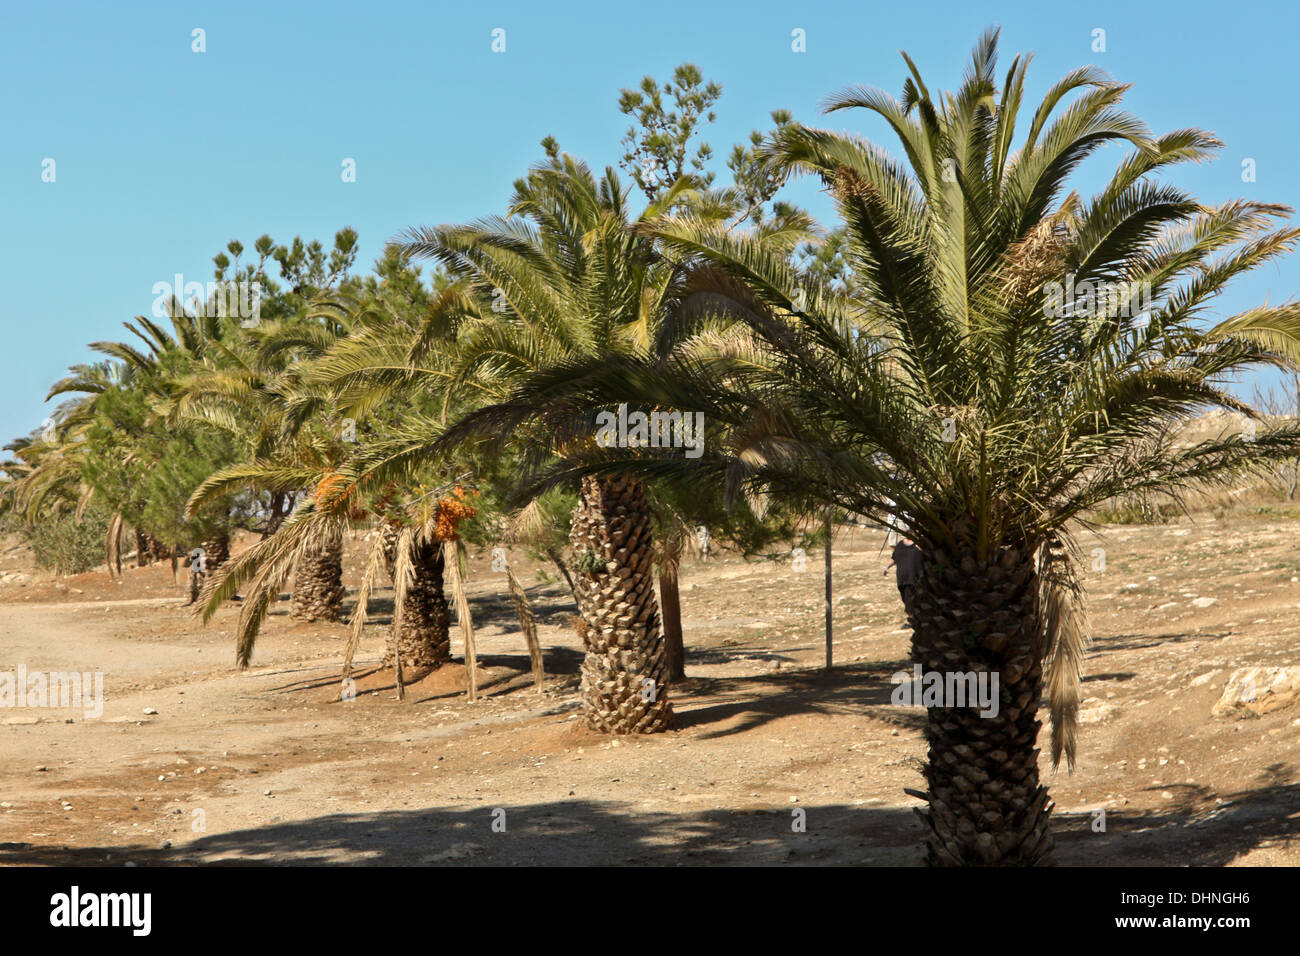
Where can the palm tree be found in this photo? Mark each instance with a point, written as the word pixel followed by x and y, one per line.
pixel 952 395
pixel 361 319
pixel 568 275
pixel 122 454
pixel 250 387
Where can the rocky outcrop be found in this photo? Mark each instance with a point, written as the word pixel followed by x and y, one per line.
pixel 1255 691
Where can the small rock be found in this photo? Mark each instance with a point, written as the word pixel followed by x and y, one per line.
pixel 149 711
pixel 1095 711
pixel 457 851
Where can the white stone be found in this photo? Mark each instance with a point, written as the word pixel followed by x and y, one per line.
pixel 1094 711
pixel 1254 691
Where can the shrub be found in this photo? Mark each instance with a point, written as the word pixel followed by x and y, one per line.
pixel 65 545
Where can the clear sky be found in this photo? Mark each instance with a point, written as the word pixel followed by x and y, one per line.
pixel 163 154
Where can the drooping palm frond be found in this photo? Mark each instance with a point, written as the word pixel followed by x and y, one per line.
pixel 1066 631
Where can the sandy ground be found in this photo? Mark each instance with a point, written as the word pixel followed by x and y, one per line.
pixel 268 765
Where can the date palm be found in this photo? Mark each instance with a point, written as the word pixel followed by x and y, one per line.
pixel 250 388
pixel 950 396
pixel 567 274
pixel 302 454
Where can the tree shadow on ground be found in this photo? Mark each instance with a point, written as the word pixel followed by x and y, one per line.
pixel 862 689
pixel 1199 828
pixel 559 833
pixel 1116 676
pixel 1104 643
pixel 1196 831
pixel 513 673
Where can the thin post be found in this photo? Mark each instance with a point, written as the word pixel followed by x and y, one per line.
pixel 829 661
pixel 397 668
pixel 451 560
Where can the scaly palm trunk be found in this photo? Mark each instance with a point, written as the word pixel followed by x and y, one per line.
pixel 424 636
pixel 216 551
pixel 986 806
pixel 671 601
pixel 625 672
pixel 318 585
pixel 390 534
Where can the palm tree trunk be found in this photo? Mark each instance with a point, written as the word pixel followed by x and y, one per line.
pixel 280 508
pixel 391 534
pixel 143 552
pixel 216 551
pixel 318 585
pixel 986 806
pixel 423 636
pixel 671 602
pixel 625 671
pixel 196 581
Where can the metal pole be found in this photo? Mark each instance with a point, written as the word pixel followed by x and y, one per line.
pixel 828 589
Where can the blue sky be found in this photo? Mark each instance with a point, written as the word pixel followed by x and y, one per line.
pixel 163 155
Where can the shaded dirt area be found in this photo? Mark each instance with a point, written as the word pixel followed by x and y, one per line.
pixel 269 765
